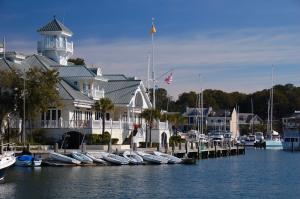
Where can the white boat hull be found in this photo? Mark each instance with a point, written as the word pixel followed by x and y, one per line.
pixel 63 158
pixel 82 157
pixel 152 158
pixel 132 157
pixel 96 158
pixel 114 159
pixel 171 159
pixel 274 144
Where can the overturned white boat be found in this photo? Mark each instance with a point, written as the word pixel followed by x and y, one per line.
pixel 132 157
pixel 63 158
pixel 171 159
pixel 96 157
pixel 154 159
pixel 81 157
pixel 114 159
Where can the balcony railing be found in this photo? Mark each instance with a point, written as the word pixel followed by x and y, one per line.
pixel 55 45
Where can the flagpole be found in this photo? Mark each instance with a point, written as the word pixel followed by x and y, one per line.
pixel 153 72
pixel 148 74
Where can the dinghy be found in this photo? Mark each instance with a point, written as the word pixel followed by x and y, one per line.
pixel 28 161
pixel 114 159
pixel 97 158
pixel 171 159
pixel 132 157
pixel 82 157
pixel 63 158
pixel 152 158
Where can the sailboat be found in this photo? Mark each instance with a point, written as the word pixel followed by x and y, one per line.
pixel 273 140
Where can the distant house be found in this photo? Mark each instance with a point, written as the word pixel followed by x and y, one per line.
pixel 249 119
pixel 194 115
pixel 79 88
pixel 218 120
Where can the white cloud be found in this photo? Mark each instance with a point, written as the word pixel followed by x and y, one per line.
pixel 228 59
pixel 216 55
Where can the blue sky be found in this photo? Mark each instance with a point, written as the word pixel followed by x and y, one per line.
pixel 231 43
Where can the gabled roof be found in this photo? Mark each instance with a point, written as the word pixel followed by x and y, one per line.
pixel 73 71
pixel 39 61
pixel 120 92
pixel 8 65
pixel 67 92
pixel 55 25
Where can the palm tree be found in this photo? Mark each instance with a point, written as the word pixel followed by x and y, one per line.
pixel 103 106
pixel 150 115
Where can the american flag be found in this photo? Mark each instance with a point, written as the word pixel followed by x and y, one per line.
pixel 169 79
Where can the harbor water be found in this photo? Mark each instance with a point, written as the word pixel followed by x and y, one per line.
pixel 257 174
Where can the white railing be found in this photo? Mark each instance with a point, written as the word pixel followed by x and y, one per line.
pixel 98 94
pixel 55 45
pixel 88 124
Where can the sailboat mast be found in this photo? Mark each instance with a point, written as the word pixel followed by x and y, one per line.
pixel 271 105
pixel 252 126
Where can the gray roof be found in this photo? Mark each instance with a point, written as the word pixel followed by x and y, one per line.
pixel 39 61
pixel 6 64
pixel 73 71
pixel 67 92
pixel 55 25
pixel 116 77
pixel 120 92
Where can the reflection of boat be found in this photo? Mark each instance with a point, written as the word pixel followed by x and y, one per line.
pixel 28 161
pixel 114 159
pixel 63 158
pixel 132 157
pixel 154 159
pixel 6 160
pixel 171 159
pixel 81 157
pixel 96 157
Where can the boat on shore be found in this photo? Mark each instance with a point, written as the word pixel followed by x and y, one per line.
pixel 63 158
pixel 96 157
pixel 133 158
pixel 28 161
pixel 82 157
pixel 171 159
pixel 152 159
pixel 114 159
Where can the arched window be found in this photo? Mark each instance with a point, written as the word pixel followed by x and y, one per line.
pixel 138 100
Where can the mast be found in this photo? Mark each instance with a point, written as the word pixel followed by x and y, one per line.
pixel 202 119
pixel 252 126
pixel 24 98
pixel 271 105
pixel 153 30
pixel 148 74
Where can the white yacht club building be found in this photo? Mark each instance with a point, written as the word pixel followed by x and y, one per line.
pixel 79 88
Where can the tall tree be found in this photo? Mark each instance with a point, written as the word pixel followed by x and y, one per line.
pixel 150 115
pixel 103 106
pixel 40 90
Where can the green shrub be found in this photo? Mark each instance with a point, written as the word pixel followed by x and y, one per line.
pixel 114 140
pixel 105 138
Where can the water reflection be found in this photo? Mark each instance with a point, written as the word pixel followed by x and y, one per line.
pixel 262 172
